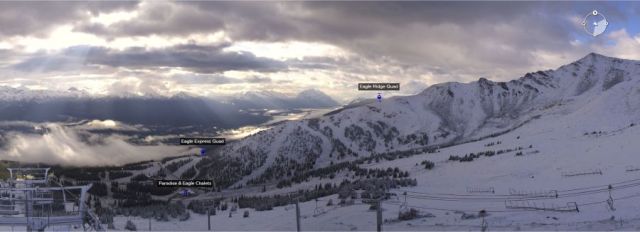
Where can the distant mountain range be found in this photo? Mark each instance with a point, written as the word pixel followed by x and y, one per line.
pixel 310 98
pixel 21 104
pixel 10 94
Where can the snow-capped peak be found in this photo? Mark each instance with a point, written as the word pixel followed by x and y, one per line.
pixel 8 93
pixel 589 90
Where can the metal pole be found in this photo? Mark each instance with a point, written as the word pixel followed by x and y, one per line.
pixel 484 226
pixel 379 215
pixel 208 219
pixel 149 223
pixel 297 216
pixel 29 210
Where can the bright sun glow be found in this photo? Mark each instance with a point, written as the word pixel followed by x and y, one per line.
pixel 289 50
pixel 102 124
pixel 107 19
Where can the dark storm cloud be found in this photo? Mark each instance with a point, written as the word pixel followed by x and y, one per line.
pixel 201 59
pixel 159 18
pixel 408 31
pixel 183 18
pixel 451 41
pixel 37 18
pixel 459 37
pixel 204 59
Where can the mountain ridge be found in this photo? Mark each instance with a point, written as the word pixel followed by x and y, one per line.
pixel 444 114
pixel 13 94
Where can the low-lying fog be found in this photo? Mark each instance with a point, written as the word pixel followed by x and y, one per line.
pixel 110 142
pixel 70 144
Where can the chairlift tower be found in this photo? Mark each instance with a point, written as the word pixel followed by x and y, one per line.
pixel 28 200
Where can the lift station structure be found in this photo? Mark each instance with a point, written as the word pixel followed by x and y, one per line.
pixel 34 200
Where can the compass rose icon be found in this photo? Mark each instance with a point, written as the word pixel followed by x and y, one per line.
pixel 594 23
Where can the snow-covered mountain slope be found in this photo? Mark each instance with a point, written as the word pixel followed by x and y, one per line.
pixel 560 155
pixel 593 93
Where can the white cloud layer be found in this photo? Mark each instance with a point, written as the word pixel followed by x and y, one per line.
pixel 61 144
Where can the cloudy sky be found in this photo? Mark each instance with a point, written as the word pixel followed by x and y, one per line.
pixel 225 48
